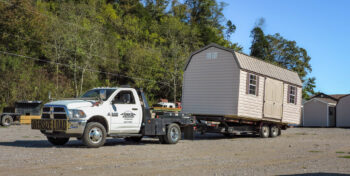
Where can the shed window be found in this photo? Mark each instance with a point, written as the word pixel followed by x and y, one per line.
pixel 292 94
pixel 252 84
pixel 212 55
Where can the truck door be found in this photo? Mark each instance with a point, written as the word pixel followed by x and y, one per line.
pixel 125 112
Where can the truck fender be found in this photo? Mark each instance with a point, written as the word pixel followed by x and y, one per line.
pixel 100 119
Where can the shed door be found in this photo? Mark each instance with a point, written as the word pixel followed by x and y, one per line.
pixel 273 99
pixel 331 116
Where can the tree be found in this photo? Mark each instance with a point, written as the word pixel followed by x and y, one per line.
pixel 260 45
pixel 285 53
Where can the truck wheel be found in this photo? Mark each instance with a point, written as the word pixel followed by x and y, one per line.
pixel 173 134
pixel 6 120
pixel 94 135
pixel 274 131
pixel 133 139
pixel 265 131
pixel 57 141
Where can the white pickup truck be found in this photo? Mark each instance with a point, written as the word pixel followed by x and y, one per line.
pixel 109 112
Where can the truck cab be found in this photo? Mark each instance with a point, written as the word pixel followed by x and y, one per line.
pixel 107 112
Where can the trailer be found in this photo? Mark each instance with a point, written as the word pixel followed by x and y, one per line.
pixel 23 111
pixel 232 93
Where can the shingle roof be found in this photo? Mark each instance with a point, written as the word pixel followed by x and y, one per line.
pixel 335 97
pixel 327 100
pixel 338 96
pixel 259 66
pixel 256 65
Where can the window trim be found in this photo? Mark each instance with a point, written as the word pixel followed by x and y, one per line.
pixel 256 85
pixel 290 94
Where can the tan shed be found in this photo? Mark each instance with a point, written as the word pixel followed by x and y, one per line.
pixel 221 82
pixel 343 112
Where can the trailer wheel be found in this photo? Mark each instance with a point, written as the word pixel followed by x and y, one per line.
pixel 228 135
pixel 279 131
pixel 94 135
pixel 57 141
pixel 274 130
pixel 6 120
pixel 133 139
pixel 173 134
pixel 161 139
pixel 265 131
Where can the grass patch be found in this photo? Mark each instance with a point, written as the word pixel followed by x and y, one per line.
pixel 314 151
pixel 346 156
pixel 25 136
pixel 301 133
pixel 339 152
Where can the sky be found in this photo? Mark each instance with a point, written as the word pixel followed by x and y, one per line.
pixel 322 27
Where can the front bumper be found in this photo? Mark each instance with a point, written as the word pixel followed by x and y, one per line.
pixel 75 128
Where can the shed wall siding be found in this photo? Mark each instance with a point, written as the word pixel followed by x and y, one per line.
pixel 210 86
pixel 291 112
pixel 315 114
pixel 250 105
pixel 343 112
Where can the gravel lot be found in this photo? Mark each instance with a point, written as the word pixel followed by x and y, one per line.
pixel 297 151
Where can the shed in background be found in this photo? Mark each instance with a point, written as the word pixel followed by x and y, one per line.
pixel 320 110
pixel 343 112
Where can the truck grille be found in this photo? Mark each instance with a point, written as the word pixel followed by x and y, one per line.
pixel 45 116
pixel 54 113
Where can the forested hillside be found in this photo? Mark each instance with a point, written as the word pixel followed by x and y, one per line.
pixel 65 47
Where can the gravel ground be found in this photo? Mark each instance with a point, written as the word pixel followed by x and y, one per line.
pixel 299 151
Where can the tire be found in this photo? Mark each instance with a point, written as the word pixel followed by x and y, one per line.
pixel 57 141
pixel 265 131
pixel 279 131
pixel 228 135
pixel 94 135
pixel 173 134
pixel 133 139
pixel 274 130
pixel 161 139
pixel 6 120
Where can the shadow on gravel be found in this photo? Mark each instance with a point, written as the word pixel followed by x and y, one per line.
pixel 214 136
pixel 320 173
pixel 72 143
pixel 112 142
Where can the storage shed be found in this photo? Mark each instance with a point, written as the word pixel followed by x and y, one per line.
pixel 319 112
pixel 222 82
pixel 343 112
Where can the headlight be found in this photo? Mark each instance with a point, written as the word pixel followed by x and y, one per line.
pixel 75 114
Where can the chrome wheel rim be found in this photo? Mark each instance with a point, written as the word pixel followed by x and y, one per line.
pixel 7 121
pixel 95 135
pixel 265 130
pixel 274 130
pixel 174 134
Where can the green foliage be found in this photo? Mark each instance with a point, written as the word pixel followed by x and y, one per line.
pixel 103 43
pixel 280 51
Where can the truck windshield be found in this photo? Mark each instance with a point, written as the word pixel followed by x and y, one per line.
pixel 104 94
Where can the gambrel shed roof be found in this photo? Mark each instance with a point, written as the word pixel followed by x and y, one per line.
pixel 258 66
